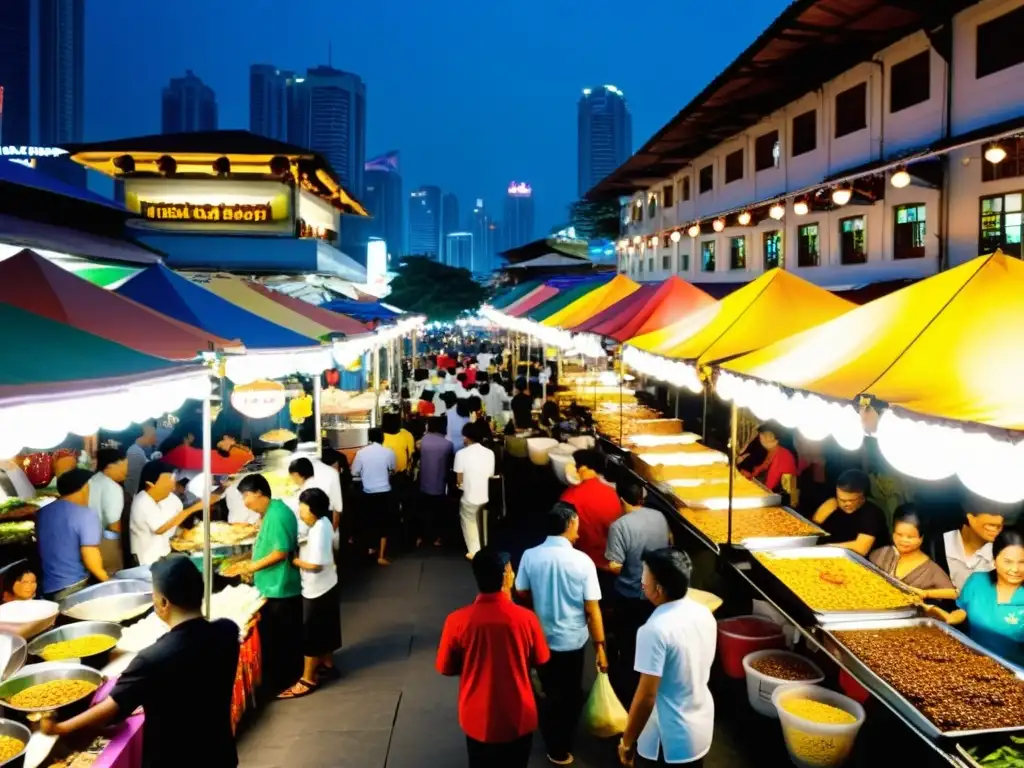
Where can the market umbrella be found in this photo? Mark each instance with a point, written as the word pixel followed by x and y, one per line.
pixel 35 284
pixel 772 307
pixel 337 322
pixel 568 292
pixel 948 347
pixel 161 289
pixel 594 301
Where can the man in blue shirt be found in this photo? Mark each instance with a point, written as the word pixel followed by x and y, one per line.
pixel 435 463
pixel 69 536
pixel 374 465
pixel 560 583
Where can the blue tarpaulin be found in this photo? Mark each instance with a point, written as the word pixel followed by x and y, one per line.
pixel 361 310
pixel 159 288
pixel 16 173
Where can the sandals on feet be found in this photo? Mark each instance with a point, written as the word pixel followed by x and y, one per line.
pixel 300 689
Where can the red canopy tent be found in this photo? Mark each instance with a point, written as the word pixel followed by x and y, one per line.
pixel 334 320
pixel 35 284
pixel 674 299
pixel 530 301
pixel 620 312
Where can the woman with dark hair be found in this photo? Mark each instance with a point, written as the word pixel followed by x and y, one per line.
pixel 778 460
pixel 19 582
pixel 905 560
pixel 993 603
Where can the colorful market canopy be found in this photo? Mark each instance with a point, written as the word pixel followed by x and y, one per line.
pixel 620 312
pixel 673 300
pixel 240 292
pixel 948 346
pixel 364 311
pixel 337 322
pixel 593 302
pixel 35 284
pixel 531 300
pixel 772 307
pixel 566 295
pixel 513 294
pixel 161 289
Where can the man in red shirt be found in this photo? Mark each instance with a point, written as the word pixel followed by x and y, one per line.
pixel 491 646
pixel 598 506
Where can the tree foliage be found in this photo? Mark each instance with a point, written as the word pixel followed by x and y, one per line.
pixel 595 220
pixel 426 287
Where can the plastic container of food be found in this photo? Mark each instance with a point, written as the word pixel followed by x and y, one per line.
pixel 561 457
pixel 38 614
pixel 538 448
pixel 14 730
pixel 812 743
pixel 742 635
pixel 761 686
pixel 515 447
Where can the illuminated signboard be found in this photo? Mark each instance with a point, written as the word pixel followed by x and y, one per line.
pixel 259 400
pixel 519 189
pixel 22 151
pixel 223 212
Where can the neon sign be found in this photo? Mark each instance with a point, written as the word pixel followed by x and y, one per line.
pixel 22 151
pixel 519 189
pixel 224 212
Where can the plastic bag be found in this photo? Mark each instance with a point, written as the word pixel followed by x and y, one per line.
pixel 604 714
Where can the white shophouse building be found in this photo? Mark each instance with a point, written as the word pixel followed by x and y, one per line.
pixel 898 106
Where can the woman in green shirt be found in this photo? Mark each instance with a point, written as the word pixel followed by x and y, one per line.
pixel 278 581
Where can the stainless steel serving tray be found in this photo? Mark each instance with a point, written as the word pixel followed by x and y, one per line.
pixel 135 597
pixel 823 617
pixel 890 695
pixel 782 542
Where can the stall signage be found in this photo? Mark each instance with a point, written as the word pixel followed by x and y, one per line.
pixel 233 213
pixel 259 399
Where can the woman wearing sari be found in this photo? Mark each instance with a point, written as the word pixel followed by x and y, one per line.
pixel 904 559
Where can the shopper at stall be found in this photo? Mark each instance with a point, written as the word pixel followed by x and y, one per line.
pixel 968 549
pixel 496 400
pixel 598 506
pixel 426 407
pixel 905 560
pixel 69 536
pixel 399 440
pixel 993 603
pixel 278 581
pixel 106 498
pixel 639 531
pixel 375 465
pixel 476 415
pixel 157 512
pixel 474 467
pixel 181 451
pixel 522 405
pixel 484 357
pixel 321 612
pixel 436 454
pixel 491 646
pixel 19 582
pixel 138 454
pixel 851 521
pixel 184 681
pixel 560 584
pixel 457 419
pixel 778 461
pixel 672 715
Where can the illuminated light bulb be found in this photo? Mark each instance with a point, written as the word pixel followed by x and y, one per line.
pixel 900 179
pixel 632 251
pixel 637 240
pixel 693 231
pixel 801 208
pixel 624 243
pixel 777 211
pixel 718 224
pixel 924 451
pixel 654 242
pixel 744 218
pixel 995 154
pixel 676 236
pixel 841 195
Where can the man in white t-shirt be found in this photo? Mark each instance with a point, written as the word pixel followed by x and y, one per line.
pixel 672 716
pixel 474 467
pixel 156 513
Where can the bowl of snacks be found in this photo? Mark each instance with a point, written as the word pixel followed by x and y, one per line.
pixel 117 600
pixel 767 670
pixel 13 742
pixel 29 617
pixel 86 642
pixel 64 689
pixel 819 726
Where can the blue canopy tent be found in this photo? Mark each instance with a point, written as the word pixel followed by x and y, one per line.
pixel 160 289
pixel 365 311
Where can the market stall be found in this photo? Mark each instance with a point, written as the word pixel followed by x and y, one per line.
pixel 651 308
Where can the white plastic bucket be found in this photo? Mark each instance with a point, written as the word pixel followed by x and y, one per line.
pixel 538 448
pixel 817 745
pixel 760 686
pixel 561 457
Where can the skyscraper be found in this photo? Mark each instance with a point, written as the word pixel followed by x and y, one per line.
pixel 61 71
pixel 382 196
pixel 479 223
pixel 518 222
pixel 268 101
pixel 605 135
pixel 425 223
pixel 449 214
pixel 327 114
pixel 188 105
pixel 459 250
pixel 16 72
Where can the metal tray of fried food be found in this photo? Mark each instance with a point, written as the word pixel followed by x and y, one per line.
pixel 885 691
pixel 850 615
pixel 754 542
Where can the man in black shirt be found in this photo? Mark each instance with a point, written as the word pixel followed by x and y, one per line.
pixel 522 405
pixel 849 519
pixel 183 681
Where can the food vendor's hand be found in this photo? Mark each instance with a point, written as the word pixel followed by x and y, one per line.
pixel 602 658
pixel 49 726
pixel 627 755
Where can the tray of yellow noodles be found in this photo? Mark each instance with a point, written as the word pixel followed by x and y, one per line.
pixel 221 535
pixel 755 528
pixel 90 640
pixel 51 687
pixel 839 585
pixel 746 494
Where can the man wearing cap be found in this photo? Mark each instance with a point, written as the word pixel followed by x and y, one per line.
pixel 69 536
pixel 157 679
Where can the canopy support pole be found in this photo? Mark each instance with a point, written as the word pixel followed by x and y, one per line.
pixel 414 350
pixel 704 418
pixel 375 416
pixel 622 373
pixel 677 393
pixel 318 421
pixel 733 429
pixel 207 486
pixel 398 371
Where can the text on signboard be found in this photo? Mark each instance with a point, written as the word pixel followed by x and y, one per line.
pixel 229 212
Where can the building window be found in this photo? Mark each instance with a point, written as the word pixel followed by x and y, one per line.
pixel 650 264
pixel 684 189
pixel 766 151
pixel 998 43
pixel 805 133
pixel 808 246
pixel 684 262
pixel 737 253
pixel 734 166
pixel 640 265
pixel 852 110
pixel 1000 223
pixel 773 255
pixel 638 211
pixel 911 81
pixel 652 205
pixel 666 263
pixel 908 232
pixel 706 179
pixel 1012 165
pixel 852 245
pixel 707 256
pixel 668 198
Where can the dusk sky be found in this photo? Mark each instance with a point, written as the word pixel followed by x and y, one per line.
pixel 473 94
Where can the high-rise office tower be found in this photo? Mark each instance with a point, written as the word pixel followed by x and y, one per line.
pixel 268 101
pixel 382 197
pixel 327 114
pixel 459 250
pixel 16 72
pixel 189 105
pixel 61 71
pixel 425 223
pixel 449 214
pixel 518 221
pixel 605 135
pixel 479 223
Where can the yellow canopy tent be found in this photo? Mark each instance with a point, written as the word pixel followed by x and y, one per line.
pixel 235 290
pixel 772 307
pixel 591 303
pixel 948 347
